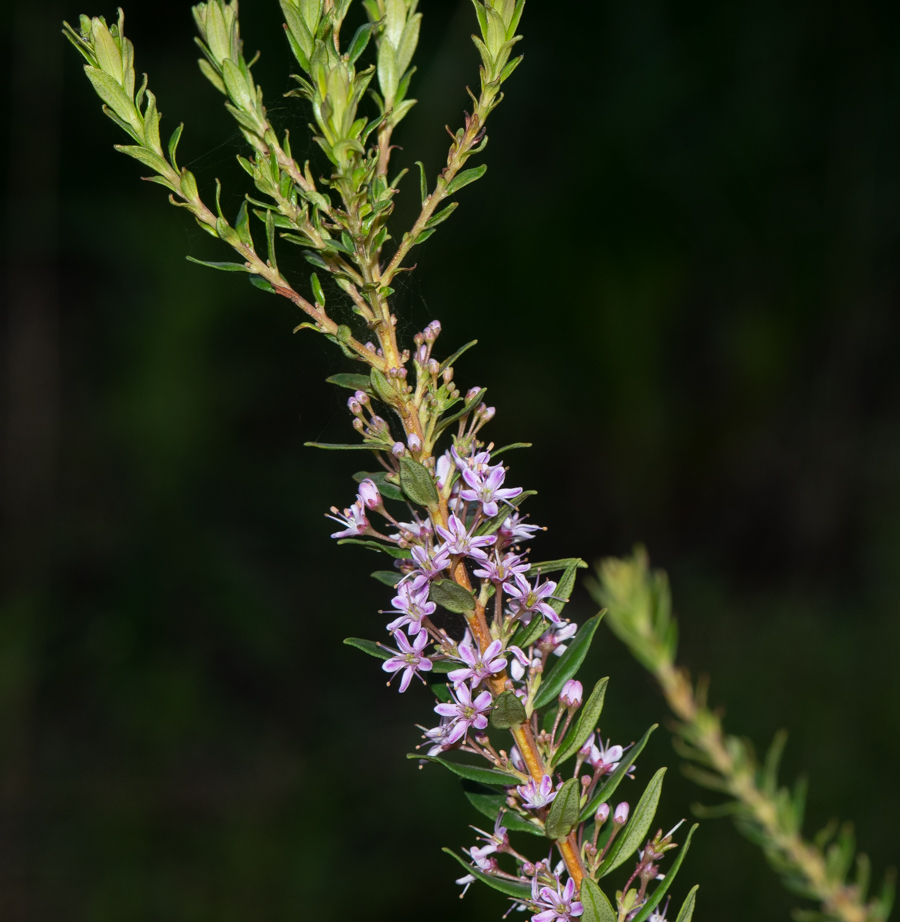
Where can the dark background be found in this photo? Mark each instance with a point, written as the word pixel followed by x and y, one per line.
pixel 681 266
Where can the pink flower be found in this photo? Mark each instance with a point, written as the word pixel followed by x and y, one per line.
pixel 354 519
pixel 478 665
pixel 572 694
pixel 526 599
pixel 561 905
pixel 458 541
pixel 485 488
pixel 412 604
pixel 534 796
pixel 464 712
pixel 409 658
pixel 369 495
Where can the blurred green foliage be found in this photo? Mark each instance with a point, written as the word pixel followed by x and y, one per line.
pixel 681 269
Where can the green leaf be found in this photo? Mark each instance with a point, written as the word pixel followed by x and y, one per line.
pixel 452 596
pixel 632 836
pixel 603 794
pixel 448 362
pixel 417 482
pixel 398 553
pixel 563 816
pixel 656 897
pixel 510 447
pixel 527 634
pixel 369 646
pixel 423 181
pixel 387 577
pixel 225 267
pixel 173 144
pixel 381 386
pixel 316 285
pixel 359 41
pixel 552 566
pixel 331 446
pixel 441 216
pixel 259 282
pixel 351 382
pixel 597 907
pixel 509 887
pixel 686 913
pixel 147 157
pixel 590 714
pixel 489 804
pixel 569 663
pixel 385 487
pixel 508 711
pixel 564 588
pixel 463 179
pixel 470 772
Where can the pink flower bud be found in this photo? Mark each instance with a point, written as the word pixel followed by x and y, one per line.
pixel 433 367
pixel 432 331
pixel 572 694
pixel 620 817
pixel 362 397
pixel 471 393
pixel 398 450
pixel 602 814
pixel 369 494
pixel 447 375
pixel 414 442
pixel 422 355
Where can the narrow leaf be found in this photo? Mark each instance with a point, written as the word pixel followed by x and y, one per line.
pixel 463 179
pixel 686 913
pixel 398 553
pixel 470 772
pixel 569 663
pixel 509 887
pixel 655 898
pixel 369 646
pixel 225 267
pixel 448 362
pixel 387 577
pixel 564 588
pixel 527 634
pixel 590 714
pixel 510 447
pixel 552 566
pixel 632 836
pixel 332 446
pixel 351 382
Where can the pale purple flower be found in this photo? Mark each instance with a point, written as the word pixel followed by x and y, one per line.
pixel 485 488
pixel 526 599
pixel 561 905
pixel 430 561
pixel 465 712
pixel 354 519
pixel 620 817
pixel 604 758
pixel 443 469
pixel 459 541
pixel 563 630
pixel 417 529
pixel 409 658
pixel 514 529
pixel 478 462
pixel 534 796
pixel 602 814
pixel 478 665
pixel 502 570
pixel 437 737
pixel 414 442
pixel 412 604
pixel 398 449
pixel 465 882
pixel 519 664
pixel 369 495
pixel 572 694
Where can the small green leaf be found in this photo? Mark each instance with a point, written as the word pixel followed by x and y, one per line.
pixel 603 794
pixel 387 577
pixel 563 816
pixel 398 553
pixel 470 772
pixel 351 382
pixel 509 887
pixel 423 181
pixel 508 711
pixel 452 596
pixel 564 588
pixel 441 216
pixel 686 913
pixel 257 281
pixel 381 386
pixel 225 267
pixel 417 482
pixel 147 157
pixel 552 566
pixel 590 714
pixel 569 663
pixel 510 447
pixel 316 285
pixel 448 362
pixel 332 446
pixel 173 144
pixel 359 41
pixel 632 836
pixel 463 179
pixel 369 646
pixel 656 897
pixel 597 907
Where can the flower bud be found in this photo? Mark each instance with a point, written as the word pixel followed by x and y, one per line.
pixel 447 375
pixel 432 331
pixel 488 414
pixel 471 393
pixel 362 397
pixel 419 338
pixel 620 817
pixel 414 442
pixel 602 814
pixel 369 495
pixel 433 367
pixel 358 424
pixel 422 355
pixel 354 406
pixel 398 450
pixel 572 694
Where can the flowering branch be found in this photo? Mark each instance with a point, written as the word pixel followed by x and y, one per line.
pixel 639 613
pixel 472 619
